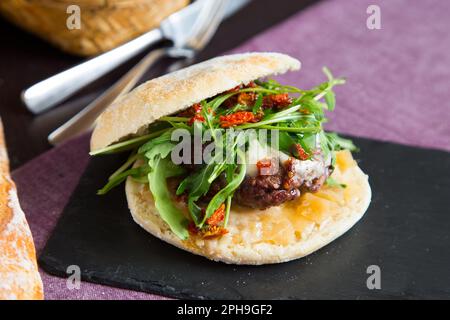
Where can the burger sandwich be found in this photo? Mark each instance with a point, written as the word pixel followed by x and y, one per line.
pixel 228 164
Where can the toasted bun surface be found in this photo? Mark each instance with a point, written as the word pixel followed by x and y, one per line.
pixel 176 91
pixel 274 235
pixel 19 276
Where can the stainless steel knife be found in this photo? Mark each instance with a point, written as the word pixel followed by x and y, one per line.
pixel 48 93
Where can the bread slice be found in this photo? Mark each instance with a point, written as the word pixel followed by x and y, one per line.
pixel 278 234
pixel 19 276
pixel 132 113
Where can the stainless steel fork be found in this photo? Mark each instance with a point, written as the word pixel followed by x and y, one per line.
pixel 186 46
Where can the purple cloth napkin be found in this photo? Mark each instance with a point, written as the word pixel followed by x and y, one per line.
pixel 44 186
pixel 398 77
pixel 397 90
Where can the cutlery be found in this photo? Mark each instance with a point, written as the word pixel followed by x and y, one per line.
pixel 48 93
pixel 193 39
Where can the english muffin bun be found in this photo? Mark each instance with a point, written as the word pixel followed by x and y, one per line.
pixel 278 234
pixel 176 91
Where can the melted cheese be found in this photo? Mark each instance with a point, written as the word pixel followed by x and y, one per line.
pixel 296 219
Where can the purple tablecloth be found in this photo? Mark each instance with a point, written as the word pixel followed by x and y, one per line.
pixel 397 90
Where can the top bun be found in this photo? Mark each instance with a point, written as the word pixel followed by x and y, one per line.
pixel 132 113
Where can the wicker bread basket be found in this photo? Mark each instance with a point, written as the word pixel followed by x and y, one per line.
pixel 104 23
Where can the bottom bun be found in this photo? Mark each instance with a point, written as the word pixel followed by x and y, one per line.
pixel 274 235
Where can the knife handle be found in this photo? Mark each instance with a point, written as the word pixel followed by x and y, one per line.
pixel 85 119
pixel 48 93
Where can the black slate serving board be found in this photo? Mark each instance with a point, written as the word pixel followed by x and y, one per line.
pixel 406 232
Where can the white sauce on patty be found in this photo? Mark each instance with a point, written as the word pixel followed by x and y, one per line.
pixel 306 170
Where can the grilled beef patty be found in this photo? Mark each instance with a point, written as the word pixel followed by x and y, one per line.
pixel 264 191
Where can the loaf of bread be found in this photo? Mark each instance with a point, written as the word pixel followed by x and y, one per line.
pixel 104 24
pixel 19 276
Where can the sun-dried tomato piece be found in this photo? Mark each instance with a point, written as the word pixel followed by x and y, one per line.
pixel 265 163
pixel 282 99
pixel 217 217
pixel 264 166
pixel 251 84
pixel 209 232
pixel 237 118
pixel 233 100
pixel 237 88
pixel 197 107
pixel 191 111
pixel 197 116
pixel 230 102
pixel 289 182
pixel 277 101
pixel 213 232
pixel 300 152
pixel 247 98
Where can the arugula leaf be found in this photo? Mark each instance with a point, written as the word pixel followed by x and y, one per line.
pixel 162 150
pixel 216 102
pixel 271 84
pixel 312 106
pixel 223 194
pixel 285 142
pixel 162 169
pixel 236 108
pixel 141 179
pixel 289 117
pixel 291 129
pixel 330 99
pixel 128 144
pixel 174 119
pixel 195 211
pixel 308 142
pixel 131 159
pixel 165 137
pixel 119 178
pixel 258 104
pixel 230 170
pixel 337 143
pixel 198 185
